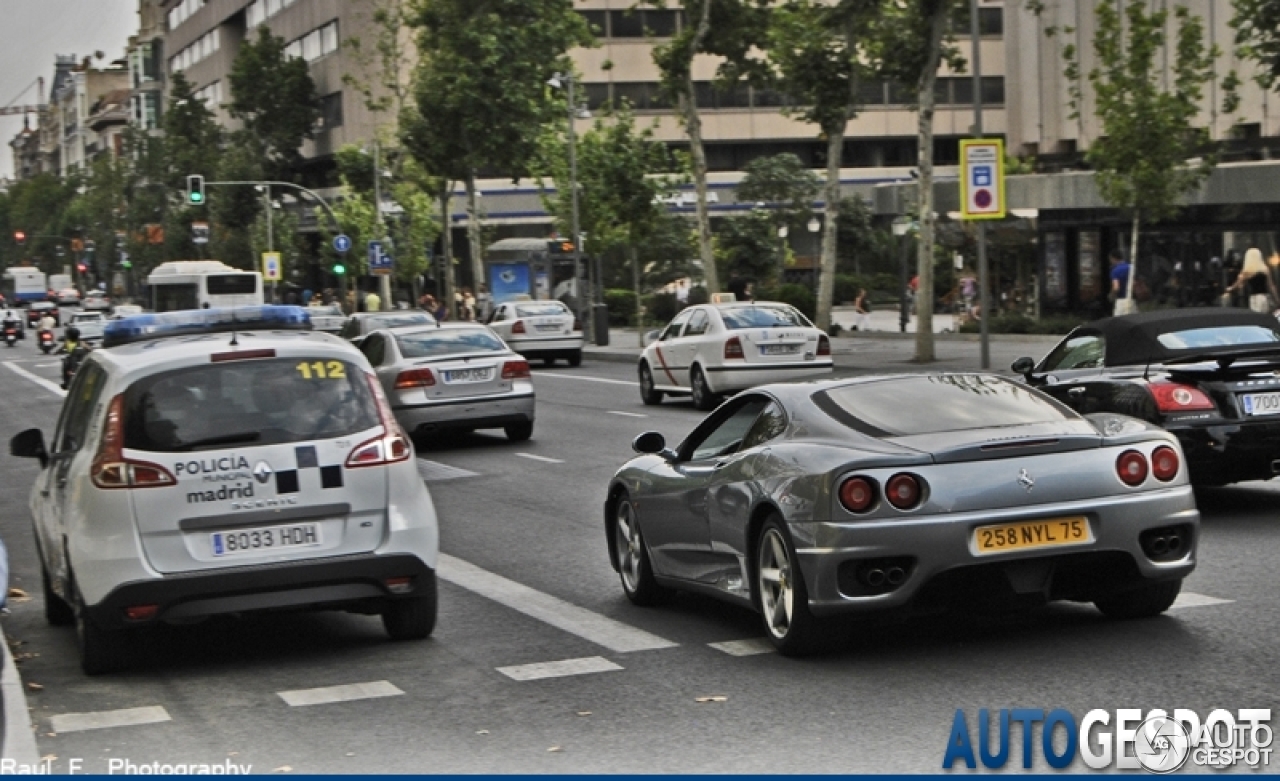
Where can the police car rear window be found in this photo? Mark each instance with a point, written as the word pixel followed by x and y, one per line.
pixel 262 402
pixel 448 341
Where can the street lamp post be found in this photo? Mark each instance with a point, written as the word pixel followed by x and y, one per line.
pixel 901 227
pixel 567 81
pixel 782 253
pixel 813 226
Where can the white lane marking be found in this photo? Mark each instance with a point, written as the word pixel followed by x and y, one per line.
pixel 614 635
pixel 344 693
pixel 78 722
pixel 751 647
pixel 49 385
pixel 540 458
pixel 626 414
pixel 585 378
pixel 1191 599
pixel 47 365
pixel 434 470
pixel 561 669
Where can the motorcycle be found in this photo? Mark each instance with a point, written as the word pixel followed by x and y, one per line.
pixel 72 362
pixel 10 334
pixel 47 342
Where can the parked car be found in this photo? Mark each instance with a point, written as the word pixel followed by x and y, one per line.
pixel 362 323
pixel 713 349
pixel 96 301
pixel 1208 375
pixel 546 330
pixel 815 502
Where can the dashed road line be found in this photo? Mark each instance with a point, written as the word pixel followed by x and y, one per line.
pixel 544 459
pixel 586 378
pixel 626 414
pixel 128 717
pixel 345 693
pixel 48 385
pixel 560 669
pixel 614 635
pixel 434 471
pixel 1191 599
pixel 749 647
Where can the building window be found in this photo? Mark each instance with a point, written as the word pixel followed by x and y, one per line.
pixel 331 111
pixel 597 95
pixel 993 90
pixel 255 14
pixel 145 110
pixel 211 95
pixel 315 44
pixel 991 21
pixel 597 21
pixel 183 11
pixel 639 23
pixel 198 50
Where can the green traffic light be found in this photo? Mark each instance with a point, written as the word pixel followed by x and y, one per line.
pixel 197 197
pixel 339 269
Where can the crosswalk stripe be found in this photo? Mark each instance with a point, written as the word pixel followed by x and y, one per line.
pixel 614 635
pixel 560 669
pixel 344 693
pixel 128 717
pixel 749 647
pixel 1191 599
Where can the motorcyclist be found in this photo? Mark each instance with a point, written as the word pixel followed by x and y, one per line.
pixel 11 320
pixel 47 323
pixel 75 350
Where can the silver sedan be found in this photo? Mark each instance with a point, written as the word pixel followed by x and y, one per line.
pixel 452 376
pixel 813 502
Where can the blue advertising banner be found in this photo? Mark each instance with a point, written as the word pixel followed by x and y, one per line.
pixel 508 280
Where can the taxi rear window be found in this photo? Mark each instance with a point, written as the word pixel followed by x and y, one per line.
pixel 448 341
pixel 738 318
pixel 261 402
pixel 538 310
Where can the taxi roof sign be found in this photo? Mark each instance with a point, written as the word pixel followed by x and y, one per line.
pixel 196 322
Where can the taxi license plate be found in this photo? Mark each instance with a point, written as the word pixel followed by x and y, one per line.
pixel 466 375
pixel 779 349
pixel 299 535
pixel 1026 535
pixel 1260 403
pixel 552 327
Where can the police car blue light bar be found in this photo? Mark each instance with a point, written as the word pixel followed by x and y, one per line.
pixel 144 327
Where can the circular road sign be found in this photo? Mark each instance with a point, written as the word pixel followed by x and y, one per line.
pixel 982 198
pixel 342 243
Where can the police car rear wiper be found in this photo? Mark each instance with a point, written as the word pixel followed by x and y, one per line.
pixel 225 439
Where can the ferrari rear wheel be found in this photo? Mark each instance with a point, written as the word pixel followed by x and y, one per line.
pixel 1145 602
pixel 634 569
pixel 703 398
pixel 648 395
pixel 783 598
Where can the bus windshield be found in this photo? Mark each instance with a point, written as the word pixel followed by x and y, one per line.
pixel 172 298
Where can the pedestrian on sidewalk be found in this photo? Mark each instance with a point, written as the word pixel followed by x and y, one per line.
pixel 862 311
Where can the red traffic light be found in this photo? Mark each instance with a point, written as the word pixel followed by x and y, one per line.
pixel 83 268
pixel 20 236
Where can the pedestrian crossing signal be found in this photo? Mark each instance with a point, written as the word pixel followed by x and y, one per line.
pixel 20 237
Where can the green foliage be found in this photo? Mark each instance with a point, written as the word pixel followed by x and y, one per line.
pixel 698 295
pixel 235 208
pixel 275 98
pixel 192 136
pixel 622 307
pixel 1018 323
pixel 783 185
pixel 661 307
pixel 799 296
pixel 747 246
pixel 1257 26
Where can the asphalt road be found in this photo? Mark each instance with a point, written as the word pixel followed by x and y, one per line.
pixel 525 581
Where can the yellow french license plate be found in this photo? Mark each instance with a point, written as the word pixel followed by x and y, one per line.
pixel 1032 534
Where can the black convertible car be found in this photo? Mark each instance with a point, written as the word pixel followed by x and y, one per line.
pixel 1209 376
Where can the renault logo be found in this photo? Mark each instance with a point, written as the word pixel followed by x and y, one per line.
pixel 262 472
pixel 1026 480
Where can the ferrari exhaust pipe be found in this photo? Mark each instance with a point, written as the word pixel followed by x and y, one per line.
pixel 1160 546
pixel 875 577
pixel 1174 543
pixel 895 575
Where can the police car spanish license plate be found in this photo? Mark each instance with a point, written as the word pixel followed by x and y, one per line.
pixel 298 535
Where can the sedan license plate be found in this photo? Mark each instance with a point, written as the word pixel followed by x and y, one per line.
pixel 299 535
pixel 1026 535
pixel 779 349
pixel 550 327
pixel 467 375
pixel 1261 403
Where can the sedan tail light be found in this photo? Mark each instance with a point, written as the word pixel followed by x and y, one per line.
pixel 733 348
pixel 1164 463
pixel 824 346
pixel 903 491
pixel 388 447
pixel 1131 466
pixel 518 327
pixel 415 378
pixel 515 370
pixel 857 494
pixel 110 469
pixel 1177 397
pixel 577 325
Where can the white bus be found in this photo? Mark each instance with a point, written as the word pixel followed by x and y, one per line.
pixel 23 285
pixel 201 284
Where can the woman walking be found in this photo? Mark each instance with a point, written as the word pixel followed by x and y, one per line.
pixel 1256 282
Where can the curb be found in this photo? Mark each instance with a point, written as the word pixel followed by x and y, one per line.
pixel 19 742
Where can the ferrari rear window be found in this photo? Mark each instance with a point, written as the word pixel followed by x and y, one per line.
pixel 1218 336
pixel 931 404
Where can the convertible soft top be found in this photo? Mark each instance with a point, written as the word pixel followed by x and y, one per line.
pixel 1133 339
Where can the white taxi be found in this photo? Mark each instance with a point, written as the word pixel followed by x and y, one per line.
pixel 713 349
pixel 206 465
pixel 539 329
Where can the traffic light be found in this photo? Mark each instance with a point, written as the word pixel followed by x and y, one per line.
pixel 20 237
pixel 83 268
pixel 195 190
pixel 339 269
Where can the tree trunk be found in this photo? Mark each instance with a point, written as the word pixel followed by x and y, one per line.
pixel 1133 261
pixel 924 259
pixel 635 285
pixel 473 233
pixel 698 155
pixel 446 248
pixel 827 272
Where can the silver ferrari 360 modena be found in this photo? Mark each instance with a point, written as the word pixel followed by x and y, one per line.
pixel 812 502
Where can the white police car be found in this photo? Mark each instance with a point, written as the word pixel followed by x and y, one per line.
pixel 222 462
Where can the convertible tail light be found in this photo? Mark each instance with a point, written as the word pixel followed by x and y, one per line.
pixel 1164 463
pixel 1176 397
pixel 388 447
pixel 515 370
pixel 824 346
pixel 415 378
pixel 518 327
pixel 857 494
pixel 1131 466
pixel 110 469
pixel 903 491
pixel 733 348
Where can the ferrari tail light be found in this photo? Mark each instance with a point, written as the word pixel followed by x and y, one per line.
pixel 1131 466
pixel 518 327
pixel 415 378
pixel 824 346
pixel 1177 397
pixel 903 491
pixel 1164 463
pixel 733 348
pixel 515 370
pixel 391 445
pixel 110 469
pixel 857 494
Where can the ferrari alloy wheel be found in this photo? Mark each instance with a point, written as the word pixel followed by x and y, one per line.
pixel 1145 602
pixel 633 558
pixel 784 601
pixel 647 393
pixel 703 398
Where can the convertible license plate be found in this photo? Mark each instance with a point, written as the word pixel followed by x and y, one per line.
pixel 298 535
pixel 1260 403
pixel 1026 535
pixel 467 375
pixel 779 349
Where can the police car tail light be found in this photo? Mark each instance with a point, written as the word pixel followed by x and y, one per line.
pixel 733 348
pixel 1176 397
pixel 391 445
pixel 1164 463
pixel 515 370
pixel 518 327
pixel 824 346
pixel 415 378
pixel 1131 466
pixel 110 469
